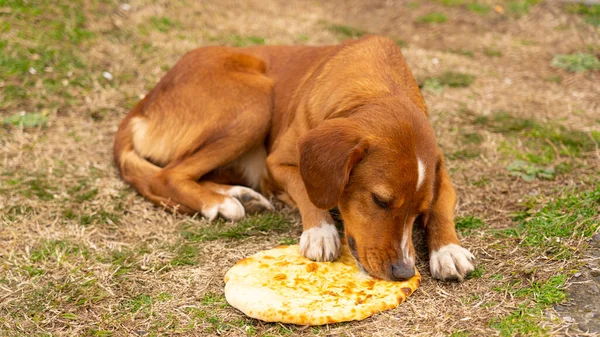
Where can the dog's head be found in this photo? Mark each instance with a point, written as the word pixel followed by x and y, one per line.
pixel 379 168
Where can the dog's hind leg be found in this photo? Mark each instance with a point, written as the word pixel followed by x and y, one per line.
pixel 179 179
pixel 211 109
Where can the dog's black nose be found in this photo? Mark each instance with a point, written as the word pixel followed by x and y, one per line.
pixel 403 271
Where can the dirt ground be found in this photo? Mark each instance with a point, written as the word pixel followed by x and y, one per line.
pixel 82 254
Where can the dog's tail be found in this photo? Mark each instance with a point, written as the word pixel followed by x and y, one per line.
pixel 133 168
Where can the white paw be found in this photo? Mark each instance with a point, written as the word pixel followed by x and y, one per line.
pixel 451 262
pixel 321 243
pixel 249 197
pixel 230 209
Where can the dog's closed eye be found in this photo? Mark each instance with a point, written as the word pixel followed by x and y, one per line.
pixel 381 202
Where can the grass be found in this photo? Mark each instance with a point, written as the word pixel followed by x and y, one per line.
pixel 162 24
pixel 478 272
pixel 472 6
pixel 529 172
pixel 504 122
pixel 546 140
pixel 479 8
pixel 244 41
pixel 536 298
pixel 571 216
pixel 579 62
pixel 521 7
pixel 35 186
pixel 465 153
pixel 470 148
pixel 52 63
pixel 185 255
pixel 26 120
pixel 432 18
pixel 452 3
pixel 57 250
pixel 467 224
pixel 251 226
pixel 492 52
pixel 590 13
pixel 453 79
pixel 346 32
pixel 450 79
pixel 433 85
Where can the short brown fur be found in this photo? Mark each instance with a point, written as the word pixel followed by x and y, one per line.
pixel 337 123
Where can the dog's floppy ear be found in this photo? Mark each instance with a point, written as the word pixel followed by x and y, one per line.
pixel 327 155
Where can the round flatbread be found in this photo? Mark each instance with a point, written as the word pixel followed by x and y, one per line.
pixel 281 285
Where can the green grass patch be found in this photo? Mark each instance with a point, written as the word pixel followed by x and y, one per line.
pixel 213 300
pixel 536 298
pixel 504 122
pixel 57 250
pixel 546 293
pixel 472 138
pixel 466 153
pixel 590 13
pixel 33 271
pixel 521 322
pixel 140 302
pixel 13 213
pixel 432 18
pixel 82 191
pixel 571 216
pixel 479 8
pixel 400 43
pixel 452 3
pixel 452 79
pixel 346 32
pixel 538 137
pixel 185 255
pixel 470 148
pixel 288 241
pixel 162 23
pixel 578 62
pixel 144 302
pixel 492 52
pixel 468 223
pixel 244 41
pixel 34 186
pixel 87 217
pixel 529 172
pixel 478 272
pixel 41 60
pixel 249 226
pixel 521 7
pixel 26 120
pixel 433 85
pixel 121 260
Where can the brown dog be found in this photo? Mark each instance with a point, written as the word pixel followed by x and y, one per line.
pixel 317 127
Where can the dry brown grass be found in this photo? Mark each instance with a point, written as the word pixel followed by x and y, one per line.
pixel 82 254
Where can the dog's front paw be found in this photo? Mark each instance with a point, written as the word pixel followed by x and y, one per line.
pixel 321 243
pixel 451 262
